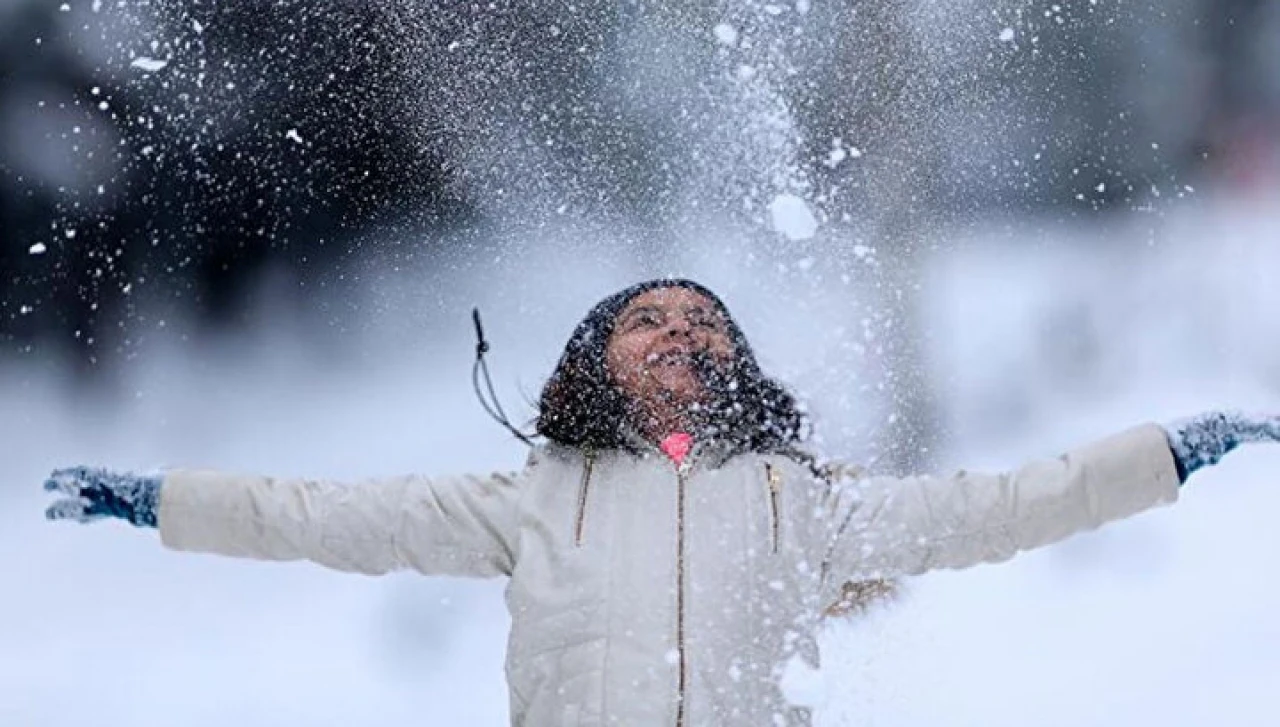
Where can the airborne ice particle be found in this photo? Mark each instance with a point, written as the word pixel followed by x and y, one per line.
pixel 792 217
pixel 802 684
pixel 37 249
pixel 1006 35
pixel 149 64
pixel 726 34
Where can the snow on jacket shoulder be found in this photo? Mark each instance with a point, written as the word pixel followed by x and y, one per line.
pixel 649 595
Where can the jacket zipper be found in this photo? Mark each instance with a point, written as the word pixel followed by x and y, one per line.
pixel 682 659
pixel 775 496
pixel 580 523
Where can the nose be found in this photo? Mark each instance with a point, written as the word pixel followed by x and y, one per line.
pixel 678 325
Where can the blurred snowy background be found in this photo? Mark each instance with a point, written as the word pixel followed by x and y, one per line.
pixel 248 235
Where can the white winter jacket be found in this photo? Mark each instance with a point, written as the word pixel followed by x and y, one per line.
pixel 646 595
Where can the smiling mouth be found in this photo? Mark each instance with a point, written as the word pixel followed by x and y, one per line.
pixel 670 358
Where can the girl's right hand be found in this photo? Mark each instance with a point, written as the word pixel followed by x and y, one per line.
pixel 93 493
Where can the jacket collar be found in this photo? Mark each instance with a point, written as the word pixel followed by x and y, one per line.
pixel 708 452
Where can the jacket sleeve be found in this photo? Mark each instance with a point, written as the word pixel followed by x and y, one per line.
pixel 882 527
pixel 462 526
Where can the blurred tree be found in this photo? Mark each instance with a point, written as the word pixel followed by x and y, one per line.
pixel 279 134
pixel 1238 108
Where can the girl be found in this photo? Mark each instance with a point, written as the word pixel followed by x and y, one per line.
pixel 671 546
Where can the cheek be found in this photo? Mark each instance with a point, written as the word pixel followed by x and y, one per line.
pixel 625 359
pixel 721 346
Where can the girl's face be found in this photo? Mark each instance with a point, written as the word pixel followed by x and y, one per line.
pixel 657 341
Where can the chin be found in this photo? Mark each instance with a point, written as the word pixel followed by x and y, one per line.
pixel 686 396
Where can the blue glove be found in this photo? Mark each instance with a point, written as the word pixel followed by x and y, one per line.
pixel 1204 440
pixel 95 493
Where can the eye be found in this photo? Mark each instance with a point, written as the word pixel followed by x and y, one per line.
pixel 645 319
pixel 703 320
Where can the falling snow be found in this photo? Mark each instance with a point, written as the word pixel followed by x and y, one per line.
pixel 726 34
pixel 149 64
pixel 792 217
pixel 580 126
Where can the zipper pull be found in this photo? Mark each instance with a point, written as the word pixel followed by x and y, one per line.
pixel 775 509
pixel 775 480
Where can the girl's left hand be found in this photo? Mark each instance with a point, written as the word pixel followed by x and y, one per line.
pixel 1204 440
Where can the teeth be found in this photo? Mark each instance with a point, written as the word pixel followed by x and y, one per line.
pixel 670 357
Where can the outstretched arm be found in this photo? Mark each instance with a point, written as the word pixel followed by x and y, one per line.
pixel 888 526
pixel 462 526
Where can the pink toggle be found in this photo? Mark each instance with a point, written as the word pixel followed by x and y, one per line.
pixel 677 446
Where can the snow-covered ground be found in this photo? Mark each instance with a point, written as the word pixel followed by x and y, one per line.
pixel 1167 619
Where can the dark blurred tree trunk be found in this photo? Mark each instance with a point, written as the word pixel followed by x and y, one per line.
pixel 1237 116
pixel 1239 67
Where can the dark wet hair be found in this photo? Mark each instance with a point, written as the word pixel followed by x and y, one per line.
pixel 581 407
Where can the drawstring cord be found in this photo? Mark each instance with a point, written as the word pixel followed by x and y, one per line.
pixel 491 405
